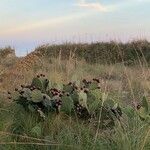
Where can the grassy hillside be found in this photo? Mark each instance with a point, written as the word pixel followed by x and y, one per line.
pixel 104 53
pixel 119 82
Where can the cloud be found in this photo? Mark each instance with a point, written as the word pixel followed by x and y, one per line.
pixel 47 23
pixel 95 6
pixel 98 6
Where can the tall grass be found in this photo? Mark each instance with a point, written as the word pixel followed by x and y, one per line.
pixel 124 84
pixel 100 52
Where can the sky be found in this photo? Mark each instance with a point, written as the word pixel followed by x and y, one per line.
pixel 26 24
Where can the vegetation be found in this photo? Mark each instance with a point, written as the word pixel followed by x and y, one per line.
pixel 66 109
pixel 5 52
pixel 84 101
pixel 104 53
pixel 7 57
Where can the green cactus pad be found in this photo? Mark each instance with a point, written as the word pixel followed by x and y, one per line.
pixel 45 83
pixel 93 86
pixel 68 88
pixel 47 101
pixel 27 93
pixel 75 97
pixel 59 86
pixel 67 105
pixel 94 100
pixel 94 95
pixel 36 96
pixel 37 83
pixel 83 99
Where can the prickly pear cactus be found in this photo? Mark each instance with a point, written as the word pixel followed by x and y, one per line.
pixel 94 99
pixel 94 85
pixel 37 83
pixel 85 100
pixel 67 104
pixel 36 96
pixel 45 83
pixel 68 88
pixel 91 85
pixel 26 93
pixel 75 97
pixel 40 83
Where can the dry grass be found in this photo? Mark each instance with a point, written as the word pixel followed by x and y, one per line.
pixel 113 77
pixel 126 84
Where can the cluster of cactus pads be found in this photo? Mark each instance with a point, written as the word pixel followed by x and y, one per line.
pixel 84 100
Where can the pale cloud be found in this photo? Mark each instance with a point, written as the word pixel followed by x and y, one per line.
pixel 98 6
pixel 95 6
pixel 47 23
